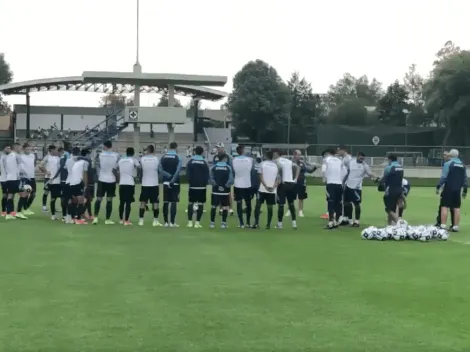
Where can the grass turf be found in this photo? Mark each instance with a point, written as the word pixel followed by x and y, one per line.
pixel 115 288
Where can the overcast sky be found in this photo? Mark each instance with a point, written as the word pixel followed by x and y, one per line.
pixel 320 39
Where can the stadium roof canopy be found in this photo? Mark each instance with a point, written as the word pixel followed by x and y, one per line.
pixel 125 82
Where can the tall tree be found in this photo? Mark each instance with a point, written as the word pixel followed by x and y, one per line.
pixel 447 93
pixel 349 87
pixel 413 83
pixel 116 100
pixel 259 103
pixel 394 104
pixel 6 76
pixel 164 101
pixel 304 106
pixel 351 112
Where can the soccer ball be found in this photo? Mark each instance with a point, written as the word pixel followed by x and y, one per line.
pixel 411 233
pixel 399 235
pixel 27 188
pixel 442 235
pixel 381 234
pixel 368 233
pixel 433 231
pixel 402 224
pixel 425 236
pixel 195 206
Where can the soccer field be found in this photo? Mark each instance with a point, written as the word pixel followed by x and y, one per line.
pixel 114 288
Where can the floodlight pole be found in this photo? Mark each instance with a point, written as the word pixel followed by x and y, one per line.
pixel 137 69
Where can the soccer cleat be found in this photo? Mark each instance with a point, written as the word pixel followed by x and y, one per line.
pixel 127 223
pixel 190 224
pixel 53 217
pixel 212 225
pixel 141 222
pixel 28 212
pixel 80 222
pixel 121 222
pixel 223 226
pixel 21 216
pixel 197 225
pixel 325 216
pixel 287 214
pixel 356 224
pixel 166 225
pixel 109 222
pixel 230 212
pixel 13 213
pixel 255 227
pixel 4 214
pixel 294 225
pixel 454 229
pixel 95 221
pixel 174 225
pixel 9 217
pixel 44 210
pixel 241 226
pixel 301 214
pixel 268 227
pixel 156 223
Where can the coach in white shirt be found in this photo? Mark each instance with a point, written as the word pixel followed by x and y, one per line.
pixel 287 189
pixel 333 171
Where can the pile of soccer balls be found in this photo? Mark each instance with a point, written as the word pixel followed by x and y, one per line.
pixel 402 231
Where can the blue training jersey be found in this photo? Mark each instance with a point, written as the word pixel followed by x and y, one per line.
pixel 453 176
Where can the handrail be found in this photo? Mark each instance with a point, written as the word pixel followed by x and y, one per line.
pixel 91 134
pixel 102 122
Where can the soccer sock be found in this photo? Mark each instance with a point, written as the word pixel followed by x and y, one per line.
pixel 4 204
pixel 127 211
pixel 29 200
pixel 240 212
pixel 270 214
pixel 141 212
pixel 224 215
pixel 292 211
pixel 156 212
pixel 213 212
pixel 338 211
pixel 52 204
pixel 357 210
pixel 452 216
pixel 400 212
pixel 173 207
pixel 88 208
pixel 10 205
pixel 438 219
pixel 97 207
pixel 348 211
pixel 21 202
pixel 190 212
pixel 165 212
pixel 44 199
pixel 248 212
pixel 258 212
pixel 109 209
pixel 280 212
pixel 63 204
pixel 331 210
pixel 72 210
pixel 121 210
pixel 200 211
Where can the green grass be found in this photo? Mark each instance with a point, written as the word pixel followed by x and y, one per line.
pixel 111 288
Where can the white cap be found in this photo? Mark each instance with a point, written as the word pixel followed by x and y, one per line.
pixel 454 153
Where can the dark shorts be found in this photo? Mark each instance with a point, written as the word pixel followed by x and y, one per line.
pixel 352 195
pixel 254 192
pixel 242 194
pixel 76 190
pixel 197 195
pixel 222 200
pixel 4 187
pixel 31 182
pixel 391 201
pixel 286 191
pixel 90 191
pixel 126 193
pixel 12 187
pixel 451 199
pixel 269 198
pixel 171 194
pixel 55 190
pixel 334 193
pixel 301 192
pixel 106 189
pixel 149 194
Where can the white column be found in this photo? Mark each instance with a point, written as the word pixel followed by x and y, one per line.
pixel 171 103
pixel 136 135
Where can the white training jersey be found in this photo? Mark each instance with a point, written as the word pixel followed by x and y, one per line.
pixel 53 167
pixel 242 166
pixel 12 164
pixel 79 167
pixel 149 170
pixel 286 166
pixel 107 163
pixel 126 167
pixel 270 171
pixel 47 162
pixel 28 165
pixel 69 166
pixel 333 170
pixel 3 171
pixel 347 158
pixel 357 172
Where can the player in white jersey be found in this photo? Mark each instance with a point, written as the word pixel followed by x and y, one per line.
pixel 78 185
pixel 342 152
pixel 150 191
pixel 127 170
pixel 27 170
pixel 3 178
pixel 68 199
pixel 270 177
pixel 45 167
pixel 242 166
pixel 12 165
pixel 406 186
pixel 107 173
pixel 358 169
pixel 53 185
pixel 287 189
pixel 333 171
